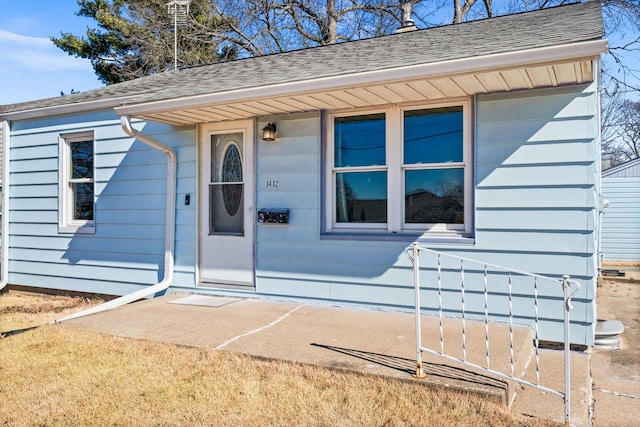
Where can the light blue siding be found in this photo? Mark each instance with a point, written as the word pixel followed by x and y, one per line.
pixel 547 220
pixel 535 209
pixel 513 197
pixel 126 252
pixel 621 220
pixel 545 175
pixel 2 152
pixel 535 176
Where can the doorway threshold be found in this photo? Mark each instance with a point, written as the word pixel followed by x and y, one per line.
pixel 205 300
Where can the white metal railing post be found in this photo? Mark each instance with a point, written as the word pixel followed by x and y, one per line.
pixel 485 280
pixel 567 348
pixel 511 347
pixel 413 252
pixel 464 326
pixel 416 285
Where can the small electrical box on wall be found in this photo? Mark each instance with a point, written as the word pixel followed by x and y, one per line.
pixel 273 216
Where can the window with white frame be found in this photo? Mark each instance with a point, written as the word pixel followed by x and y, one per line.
pixel 400 169
pixel 76 188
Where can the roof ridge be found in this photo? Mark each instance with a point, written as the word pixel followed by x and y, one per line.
pixel 408 34
pixel 502 34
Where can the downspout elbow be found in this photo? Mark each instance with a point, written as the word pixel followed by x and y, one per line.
pixel 172 166
pixel 127 126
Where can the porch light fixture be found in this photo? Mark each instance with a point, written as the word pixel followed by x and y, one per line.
pixel 269 132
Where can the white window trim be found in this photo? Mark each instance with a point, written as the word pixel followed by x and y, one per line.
pixel 395 173
pixel 66 223
pixel 332 225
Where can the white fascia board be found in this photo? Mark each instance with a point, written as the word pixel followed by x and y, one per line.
pixel 591 49
pixel 57 110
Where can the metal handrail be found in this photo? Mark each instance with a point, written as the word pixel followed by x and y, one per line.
pixel 566 283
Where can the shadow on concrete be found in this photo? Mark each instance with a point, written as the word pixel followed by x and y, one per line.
pixel 408 366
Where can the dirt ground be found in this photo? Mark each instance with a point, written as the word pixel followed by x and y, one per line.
pixel 25 310
pixel 616 372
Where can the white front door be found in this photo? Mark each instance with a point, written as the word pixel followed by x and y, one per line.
pixel 226 204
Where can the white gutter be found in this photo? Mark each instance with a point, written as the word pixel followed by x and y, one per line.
pixel 56 110
pixel 4 268
pixel 169 231
pixel 529 57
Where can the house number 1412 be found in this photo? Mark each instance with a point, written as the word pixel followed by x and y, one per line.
pixel 272 183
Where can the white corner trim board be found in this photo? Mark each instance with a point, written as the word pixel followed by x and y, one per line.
pixel 4 245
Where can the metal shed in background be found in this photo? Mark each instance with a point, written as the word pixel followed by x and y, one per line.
pixel 621 219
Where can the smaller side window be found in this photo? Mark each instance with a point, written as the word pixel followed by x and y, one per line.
pixel 359 171
pixel 76 187
pixel 434 168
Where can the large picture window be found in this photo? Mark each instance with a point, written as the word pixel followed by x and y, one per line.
pixel 76 209
pixel 400 170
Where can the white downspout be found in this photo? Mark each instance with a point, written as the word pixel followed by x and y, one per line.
pixel 172 165
pixel 4 268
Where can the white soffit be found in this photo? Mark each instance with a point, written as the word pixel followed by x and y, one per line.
pixel 535 68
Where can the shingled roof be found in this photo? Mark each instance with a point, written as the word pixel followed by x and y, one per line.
pixel 562 25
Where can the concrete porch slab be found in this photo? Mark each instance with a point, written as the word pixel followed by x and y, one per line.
pixel 372 342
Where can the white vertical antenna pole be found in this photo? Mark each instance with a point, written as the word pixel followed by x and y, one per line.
pixel 180 11
pixel 175 36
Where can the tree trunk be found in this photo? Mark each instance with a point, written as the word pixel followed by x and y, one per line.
pixel 489 7
pixel 331 37
pixel 461 10
pixel 457 12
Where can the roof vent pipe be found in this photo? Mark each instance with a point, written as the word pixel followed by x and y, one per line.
pixel 407 22
pixel 406 27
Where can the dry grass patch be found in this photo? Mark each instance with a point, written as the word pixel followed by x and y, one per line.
pixel 21 310
pixel 54 376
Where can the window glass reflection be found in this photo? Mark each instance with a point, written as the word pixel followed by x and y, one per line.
pixel 361 197
pixel 433 136
pixel 82 159
pixel 359 140
pixel 82 201
pixel 434 196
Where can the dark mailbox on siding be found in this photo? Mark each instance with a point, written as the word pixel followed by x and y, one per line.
pixel 273 216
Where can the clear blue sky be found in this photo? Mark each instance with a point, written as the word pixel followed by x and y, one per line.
pixel 31 67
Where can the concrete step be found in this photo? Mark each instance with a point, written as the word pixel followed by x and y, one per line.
pixel 476 353
pixel 540 404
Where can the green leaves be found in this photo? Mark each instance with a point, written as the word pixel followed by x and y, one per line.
pixel 136 38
